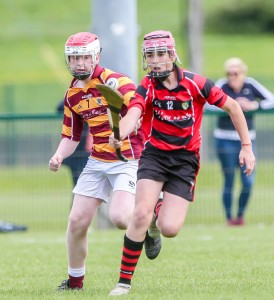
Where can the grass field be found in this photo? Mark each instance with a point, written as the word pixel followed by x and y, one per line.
pixel 207 260
pixel 41 199
pixel 202 263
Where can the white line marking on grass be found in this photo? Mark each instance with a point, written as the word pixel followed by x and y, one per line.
pixel 56 65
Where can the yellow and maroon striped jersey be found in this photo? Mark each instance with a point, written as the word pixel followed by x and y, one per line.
pixel 88 105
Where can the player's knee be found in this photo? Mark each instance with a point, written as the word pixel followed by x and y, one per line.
pixel 142 217
pixel 119 221
pixel 78 224
pixel 169 230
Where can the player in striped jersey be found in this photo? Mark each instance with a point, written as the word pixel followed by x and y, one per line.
pixel 170 100
pixel 103 173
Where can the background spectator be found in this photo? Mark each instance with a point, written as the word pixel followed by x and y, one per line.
pixel 252 96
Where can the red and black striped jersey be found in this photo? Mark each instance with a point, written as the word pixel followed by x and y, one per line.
pixel 87 104
pixel 172 118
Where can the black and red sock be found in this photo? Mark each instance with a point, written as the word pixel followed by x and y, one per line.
pixel 157 208
pixel 131 253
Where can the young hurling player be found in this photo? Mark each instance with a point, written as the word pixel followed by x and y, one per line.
pixel 103 172
pixel 172 100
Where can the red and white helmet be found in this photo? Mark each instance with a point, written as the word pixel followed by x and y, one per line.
pixel 82 44
pixel 159 41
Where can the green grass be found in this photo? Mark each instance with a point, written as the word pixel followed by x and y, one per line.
pixel 41 199
pixel 201 263
pixel 36 196
pixel 207 260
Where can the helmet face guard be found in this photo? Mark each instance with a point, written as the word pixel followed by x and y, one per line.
pixel 82 52
pixel 159 42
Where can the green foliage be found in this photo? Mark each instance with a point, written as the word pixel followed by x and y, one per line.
pixel 246 16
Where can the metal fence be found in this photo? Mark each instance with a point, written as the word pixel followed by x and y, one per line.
pixel 31 194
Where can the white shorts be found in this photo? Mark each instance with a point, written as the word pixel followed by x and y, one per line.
pixel 99 179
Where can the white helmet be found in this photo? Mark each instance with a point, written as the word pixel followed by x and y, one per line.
pixel 82 44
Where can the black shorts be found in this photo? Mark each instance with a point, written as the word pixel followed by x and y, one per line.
pixel 178 170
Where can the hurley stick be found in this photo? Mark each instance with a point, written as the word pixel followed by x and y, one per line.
pixel 115 101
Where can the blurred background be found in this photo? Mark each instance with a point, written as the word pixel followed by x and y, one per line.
pixel 34 79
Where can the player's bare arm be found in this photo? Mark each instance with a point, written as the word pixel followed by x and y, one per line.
pixel 246 156
pixel 65 149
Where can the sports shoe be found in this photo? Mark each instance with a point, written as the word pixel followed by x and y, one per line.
pixel 153 230
pixel 239 221
pixel 9 227
pixel 152 246
pixel 65 286
pixel 231 222
pixel 120 289
pixel 236 222
pixel 153 241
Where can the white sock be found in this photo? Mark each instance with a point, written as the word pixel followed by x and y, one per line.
pixel 77 272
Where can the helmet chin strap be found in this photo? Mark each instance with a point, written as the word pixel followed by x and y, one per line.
pixel 84 76
pixel 162 76
pixel 80 77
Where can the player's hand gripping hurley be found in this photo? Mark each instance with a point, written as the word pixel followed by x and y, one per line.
pixel 115 101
